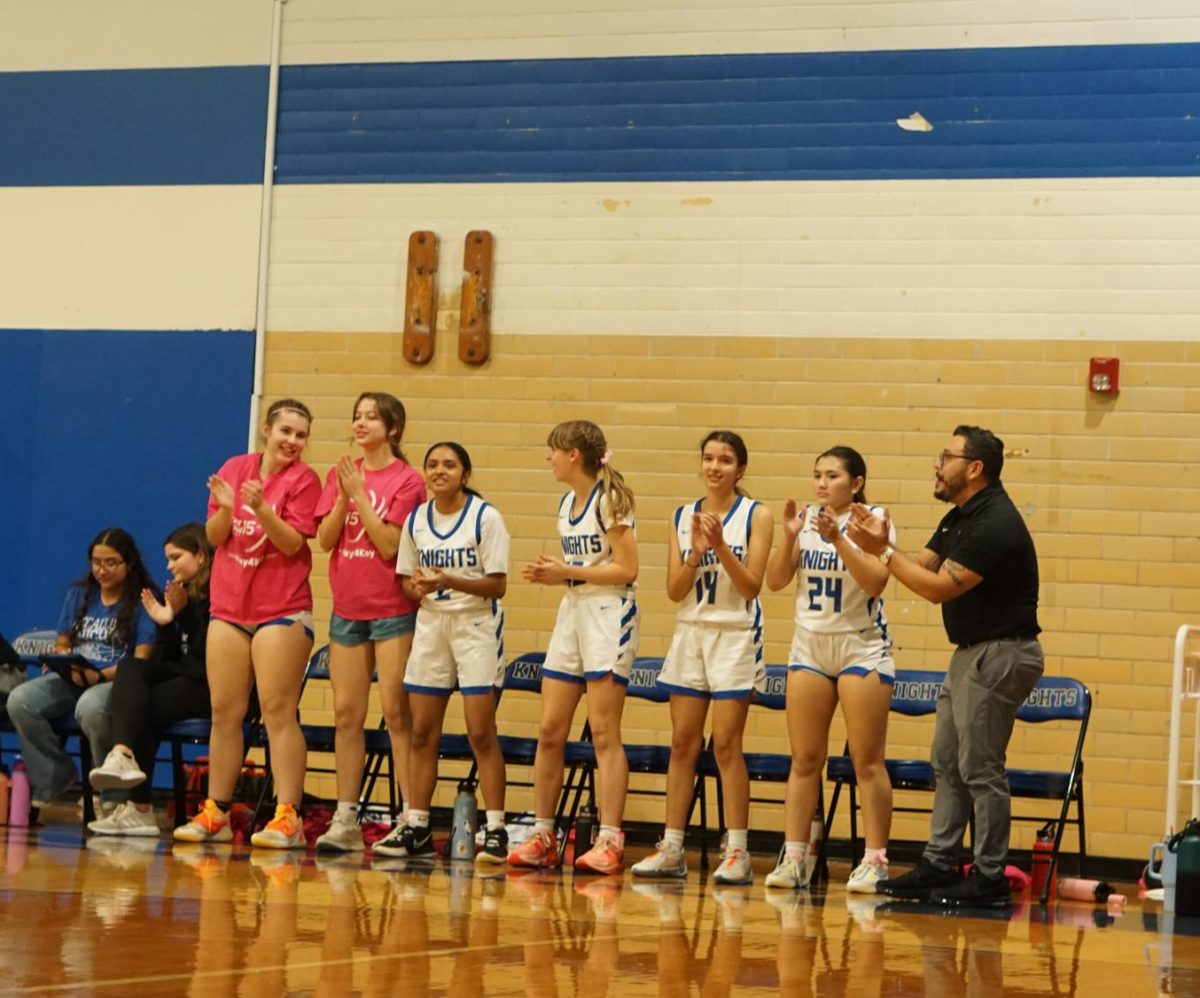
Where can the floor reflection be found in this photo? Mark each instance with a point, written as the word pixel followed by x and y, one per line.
pixel 113 915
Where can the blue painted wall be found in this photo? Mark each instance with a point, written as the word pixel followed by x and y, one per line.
pixel 1129 110
pixel 138 126
pixel 108 428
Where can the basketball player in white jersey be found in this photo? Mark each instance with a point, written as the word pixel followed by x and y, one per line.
pixel 841 652
pixel 453 558
pixel 715 565
pixel 594 641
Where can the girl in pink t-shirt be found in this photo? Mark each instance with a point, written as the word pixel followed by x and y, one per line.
pixel 362 509
pixel 261 512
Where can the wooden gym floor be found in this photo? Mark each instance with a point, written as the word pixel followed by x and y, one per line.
pixel 141 917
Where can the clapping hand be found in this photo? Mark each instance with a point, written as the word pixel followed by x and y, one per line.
pixel 221 491
pixel 547 570
pixel 252 494
pixel 161 613
pixel 793 521
pixel 868 531
pixel 352 482
pixel 827 526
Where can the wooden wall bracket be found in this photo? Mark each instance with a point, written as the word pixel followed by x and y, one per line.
pixel 420 297
pixel 475 318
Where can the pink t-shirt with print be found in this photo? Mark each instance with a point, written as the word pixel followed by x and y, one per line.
pixel 252 580
pixel 364 583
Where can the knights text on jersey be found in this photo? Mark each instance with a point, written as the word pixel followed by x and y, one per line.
pixel 472 543
pixel 585 539
pixel 714 599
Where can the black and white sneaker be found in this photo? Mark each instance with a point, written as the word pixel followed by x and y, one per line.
pixel 406 842
pixel 495 848
pixel 920 882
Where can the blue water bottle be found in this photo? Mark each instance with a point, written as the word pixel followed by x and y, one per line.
pixel 466 820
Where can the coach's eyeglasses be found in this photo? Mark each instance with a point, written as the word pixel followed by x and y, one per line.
pixel 947 455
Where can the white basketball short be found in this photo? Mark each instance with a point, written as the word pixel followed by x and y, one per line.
pixel 594 635
pixel 710 661
pixel 853 653
pixel 456 649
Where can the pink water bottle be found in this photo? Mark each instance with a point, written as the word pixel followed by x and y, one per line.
pixel 3 796
pixel 18 802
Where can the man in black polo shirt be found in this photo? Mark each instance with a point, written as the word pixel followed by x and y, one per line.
pixel 981 566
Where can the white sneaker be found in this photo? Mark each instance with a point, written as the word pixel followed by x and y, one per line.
pixel 666 862
pixel 119 772
pixel 734 868
pixel 865 877
pixel 344 835
pixel 101 808
pixel 787 875
pixel 126 820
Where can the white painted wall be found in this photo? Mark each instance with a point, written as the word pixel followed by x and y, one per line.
pixel 133 34
pixel 129 257
pixel 319 31
pixel 1061 259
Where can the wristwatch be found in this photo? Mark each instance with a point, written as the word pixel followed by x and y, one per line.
pixel 887 554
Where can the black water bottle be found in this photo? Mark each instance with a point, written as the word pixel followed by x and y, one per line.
pixel 1187 876
pixel 586 827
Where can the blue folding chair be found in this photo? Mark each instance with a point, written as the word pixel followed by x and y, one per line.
pixel 1056 698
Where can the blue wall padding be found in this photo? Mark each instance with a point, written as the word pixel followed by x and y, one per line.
pixel 108 428
pixel 133 127
pixel 1116 110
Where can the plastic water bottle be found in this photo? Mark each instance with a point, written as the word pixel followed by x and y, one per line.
pixel 4 784
pixel 1076 889
pixel 18 802
pixel 466 820
pixel 587 827
pixel 1040 872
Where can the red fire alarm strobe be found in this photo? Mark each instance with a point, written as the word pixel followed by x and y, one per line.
pixel 1104 375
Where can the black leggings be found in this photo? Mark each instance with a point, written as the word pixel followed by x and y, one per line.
pixel 148 696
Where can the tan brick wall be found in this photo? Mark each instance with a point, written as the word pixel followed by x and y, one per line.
pixel 1109 489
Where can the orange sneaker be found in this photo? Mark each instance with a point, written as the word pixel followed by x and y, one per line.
pixel 284 831
pixel 538 851
pixel 210 825
pixel 605 857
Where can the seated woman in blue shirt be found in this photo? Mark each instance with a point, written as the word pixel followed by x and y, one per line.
pixel 102 622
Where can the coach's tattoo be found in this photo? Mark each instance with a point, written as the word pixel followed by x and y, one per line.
pixel 951 566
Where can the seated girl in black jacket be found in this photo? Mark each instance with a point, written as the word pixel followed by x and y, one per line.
pixel 150 695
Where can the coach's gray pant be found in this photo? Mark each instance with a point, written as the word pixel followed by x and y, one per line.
pixel 976 708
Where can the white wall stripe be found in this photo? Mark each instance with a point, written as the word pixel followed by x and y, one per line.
pixel 327 31
pixel 133 34
pixel 129 258
pixel 1106 259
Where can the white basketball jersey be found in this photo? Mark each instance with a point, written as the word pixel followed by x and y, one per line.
pixel 714 599
pixel 585 539
pixel 472 544
pixel 828 600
